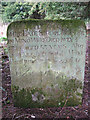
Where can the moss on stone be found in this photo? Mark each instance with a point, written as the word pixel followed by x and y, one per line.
pixel 32 97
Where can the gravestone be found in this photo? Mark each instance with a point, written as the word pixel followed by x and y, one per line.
pixel 47 62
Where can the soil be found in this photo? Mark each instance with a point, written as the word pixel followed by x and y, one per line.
pixel 9 111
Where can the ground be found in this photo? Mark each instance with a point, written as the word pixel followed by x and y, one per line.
pixel 15 113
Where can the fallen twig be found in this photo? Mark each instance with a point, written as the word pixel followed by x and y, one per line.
pixel 13 116
pixel 64 105
pixel 74 109
pixel 22 116
pixel 51 112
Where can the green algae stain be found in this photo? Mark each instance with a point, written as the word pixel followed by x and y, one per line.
pixel 37 97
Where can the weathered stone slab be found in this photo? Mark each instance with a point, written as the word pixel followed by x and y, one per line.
pixel 47 61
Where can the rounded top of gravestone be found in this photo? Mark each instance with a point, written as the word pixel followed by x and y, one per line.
pixel 71 25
